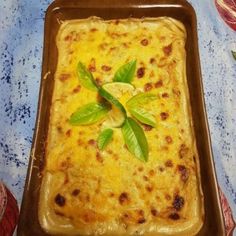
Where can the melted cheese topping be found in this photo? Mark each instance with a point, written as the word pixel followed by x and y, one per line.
pixel 90 192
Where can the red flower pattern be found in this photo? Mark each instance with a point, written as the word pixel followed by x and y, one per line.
pixel 227 10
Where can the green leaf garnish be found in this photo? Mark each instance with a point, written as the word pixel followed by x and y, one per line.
pixel 126 72
pixel 135 139
pixel 132 132
pixel 141 99
pixel 234 54
pixel 143 116
pixel 86 77
pixel 104 138
pixel 89 114
pixel 135 104
pixel 111 99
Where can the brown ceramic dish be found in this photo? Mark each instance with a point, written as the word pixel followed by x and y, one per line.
pixel 74 9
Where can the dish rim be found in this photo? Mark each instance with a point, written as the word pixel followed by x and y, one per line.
pixel 41 120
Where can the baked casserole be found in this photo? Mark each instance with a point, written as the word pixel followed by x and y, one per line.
pixel 121 155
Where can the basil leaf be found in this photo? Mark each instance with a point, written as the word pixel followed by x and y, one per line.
pixel 141 99
pixel 104 138
pixel 89 114
pixel 86 77
pixel 111 99
pixel 234 54
pixel 125 73
pixel 135 139
pixel 143 116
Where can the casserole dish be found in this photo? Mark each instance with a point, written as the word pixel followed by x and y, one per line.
pixel 60 11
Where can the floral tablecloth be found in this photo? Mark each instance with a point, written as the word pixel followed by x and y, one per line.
pixel 21 44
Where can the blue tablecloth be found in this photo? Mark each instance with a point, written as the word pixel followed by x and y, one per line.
pixel 21 44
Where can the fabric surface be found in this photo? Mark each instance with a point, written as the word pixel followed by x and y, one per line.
pixel 21 44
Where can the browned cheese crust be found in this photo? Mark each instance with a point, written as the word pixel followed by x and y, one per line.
pixel 91 192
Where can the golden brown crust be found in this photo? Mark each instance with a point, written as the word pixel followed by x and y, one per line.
pixel 91 192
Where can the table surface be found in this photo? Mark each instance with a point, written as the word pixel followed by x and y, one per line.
pixel 21 44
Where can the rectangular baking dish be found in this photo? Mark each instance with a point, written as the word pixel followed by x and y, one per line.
pixel 65 10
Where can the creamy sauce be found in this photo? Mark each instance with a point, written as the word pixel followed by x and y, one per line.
pixel 111 192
